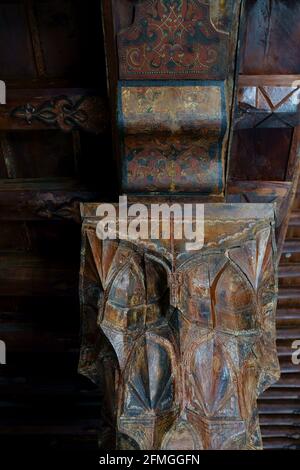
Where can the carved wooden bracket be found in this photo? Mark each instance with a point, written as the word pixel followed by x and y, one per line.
pixel 181 53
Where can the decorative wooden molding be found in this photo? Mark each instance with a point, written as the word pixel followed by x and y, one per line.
pixel 67 110
pixel 269 80
pixel 43 199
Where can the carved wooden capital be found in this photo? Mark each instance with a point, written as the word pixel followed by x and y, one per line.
pixel 193 332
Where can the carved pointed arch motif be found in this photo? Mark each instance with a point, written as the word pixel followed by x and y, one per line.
pixel 210 372
pixel 151 377
pixel 182 435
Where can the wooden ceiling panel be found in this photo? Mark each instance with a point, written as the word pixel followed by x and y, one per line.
pixel 15 41
pixel 272 37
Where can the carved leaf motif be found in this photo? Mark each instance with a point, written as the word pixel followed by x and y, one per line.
pixel 197 293
pixel 128 288
pixel 150 384
pixel 251 256
pixel 67 114
pixel 211 375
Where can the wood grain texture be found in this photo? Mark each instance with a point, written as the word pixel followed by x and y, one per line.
pixel 271 38
pixel 48 50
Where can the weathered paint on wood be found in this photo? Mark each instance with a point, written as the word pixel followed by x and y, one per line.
pixel 181 53
pixel 193 332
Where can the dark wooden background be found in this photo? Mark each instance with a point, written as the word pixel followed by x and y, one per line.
pixel 51 49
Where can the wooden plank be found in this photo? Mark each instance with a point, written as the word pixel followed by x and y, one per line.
pixel 269 80
pixel 287 381
pixel 28 275
pixel 38 199
pixel 280 431
pixel 291 246
pixel 281 444
pixel 277 407
pixel 82 427
pixel 279 420
pixel 288 317
pixel 66 109
pixel 289 270
pixel 270 40
pixel 294 219
pixel 284 333
pixel 289 394
pixel 43 237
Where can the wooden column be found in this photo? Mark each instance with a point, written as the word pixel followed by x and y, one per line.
pixel 189 336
